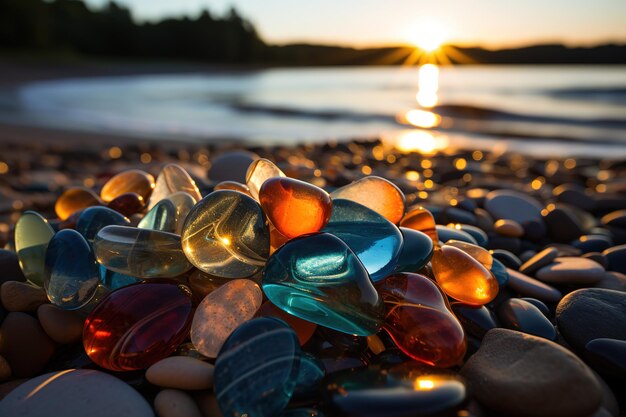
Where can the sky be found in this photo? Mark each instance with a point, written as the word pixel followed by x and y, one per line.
pixel 489 23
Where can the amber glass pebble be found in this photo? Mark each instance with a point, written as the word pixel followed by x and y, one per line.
pixel 131 181
pixel 376 193
pixel 260 171
pixel 463 277
pixel 233 185
pixel 475 251
pixel 74 199
pixel 277 239
pixel 422 220
pixel 295 207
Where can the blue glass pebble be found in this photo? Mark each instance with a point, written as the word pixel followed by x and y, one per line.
pixel 92 219
pixel 71 272
pixel 417 249
pixel 375 240
pixel 318 278
pixel 449 233
pixel 257 369
pixel 499 271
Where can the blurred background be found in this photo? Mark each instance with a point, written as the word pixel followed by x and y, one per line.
pixel 533 77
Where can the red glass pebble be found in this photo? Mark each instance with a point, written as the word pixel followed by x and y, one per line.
pixel 420 321
pixel 136 326
pixel 128 204
pixel 295 207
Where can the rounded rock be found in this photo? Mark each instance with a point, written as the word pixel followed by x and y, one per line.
pixel 181 372
pixel 175 403
pixel 571 270
pixel 62 326
pixel 20 296
pixel 508 228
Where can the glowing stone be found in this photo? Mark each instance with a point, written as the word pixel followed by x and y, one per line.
pixel 32 235
pixel 480 254
pixel 221 312
pixel 377 194
pixel 140 253
pixel 233 185
pixel 319 279
pixel 138 325
pixel 260 171
pixel 172 179
pixel 226 235
pixel 421 220
pixel 420 321
pixel 75 199
pixel 131 181
pixel 463 277
pixel 295 207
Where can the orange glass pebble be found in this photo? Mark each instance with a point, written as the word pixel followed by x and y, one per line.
pixel 277 239
pixel 463 277
pixel 422 220
pixel 75 199
pixel 260 171
pixel 233 185
pixel 295 207
pixel 131 181
pixel 377 194
pixel 475 251
pixel 420 321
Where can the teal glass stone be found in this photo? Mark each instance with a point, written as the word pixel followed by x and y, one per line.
pixel 257 369
pixel 160 217
pixel 92 219
pixel 499 271
pixel 112 280
pixel 32 235
pixel 417 249
pixel 375 240
pixel 446 233
pixel 71 273
pixel 318 278
pixel 310 375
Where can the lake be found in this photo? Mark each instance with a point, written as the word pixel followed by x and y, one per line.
pixel 577 110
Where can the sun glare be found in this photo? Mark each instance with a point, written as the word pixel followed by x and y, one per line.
pixel 428 36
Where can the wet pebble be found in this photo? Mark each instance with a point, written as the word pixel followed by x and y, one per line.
pixel 508 228
pixel 531 287
pixel 520 315
pixel 616 257
pixel 570 270
pixel 541 259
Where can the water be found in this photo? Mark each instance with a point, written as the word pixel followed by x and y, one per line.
pixel 532 109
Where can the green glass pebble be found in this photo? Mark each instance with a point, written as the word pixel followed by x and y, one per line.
pixel 183 202
pixel 318 278
pixel 417 249
pixel 140 253
pixel 375 240
pixel 92 219
pixel 160 217
pixel 257 369
pixel 32 235
pixel 71 273
pixel 226 235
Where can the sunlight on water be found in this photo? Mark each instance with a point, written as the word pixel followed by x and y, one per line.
pixel 421 141
pixel 428 85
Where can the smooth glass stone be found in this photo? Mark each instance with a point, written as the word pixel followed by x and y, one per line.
pixel 260 171
pixel 127 204
pixel 71 274
pixel 257 369
pixel 226 235
pixel 310 374
pixel 498 270
pixel 401 392
pixel 422 220
pixel 233 185
pixel 183 202
pixel 446 233
pixel 419 320
pixel 295 207
pixel 319 279
pixel 377 194
pixel 277 239
pixel 172 179
pixel 375 241
pixel 477 233
pixel 476 320
pixel 203 284
pixel 93 219
pixel 162 216
pixel 140 253
pixel 114 280
pixel 221 312
pixel 475 251
pixel 522 316
pixel 304 329
pixel 131 181
pixel 32 235
pixel 138 325
pixel 74 199
pixel 462 277
pixel 417 249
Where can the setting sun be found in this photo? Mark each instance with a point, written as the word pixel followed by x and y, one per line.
pixel 428 36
